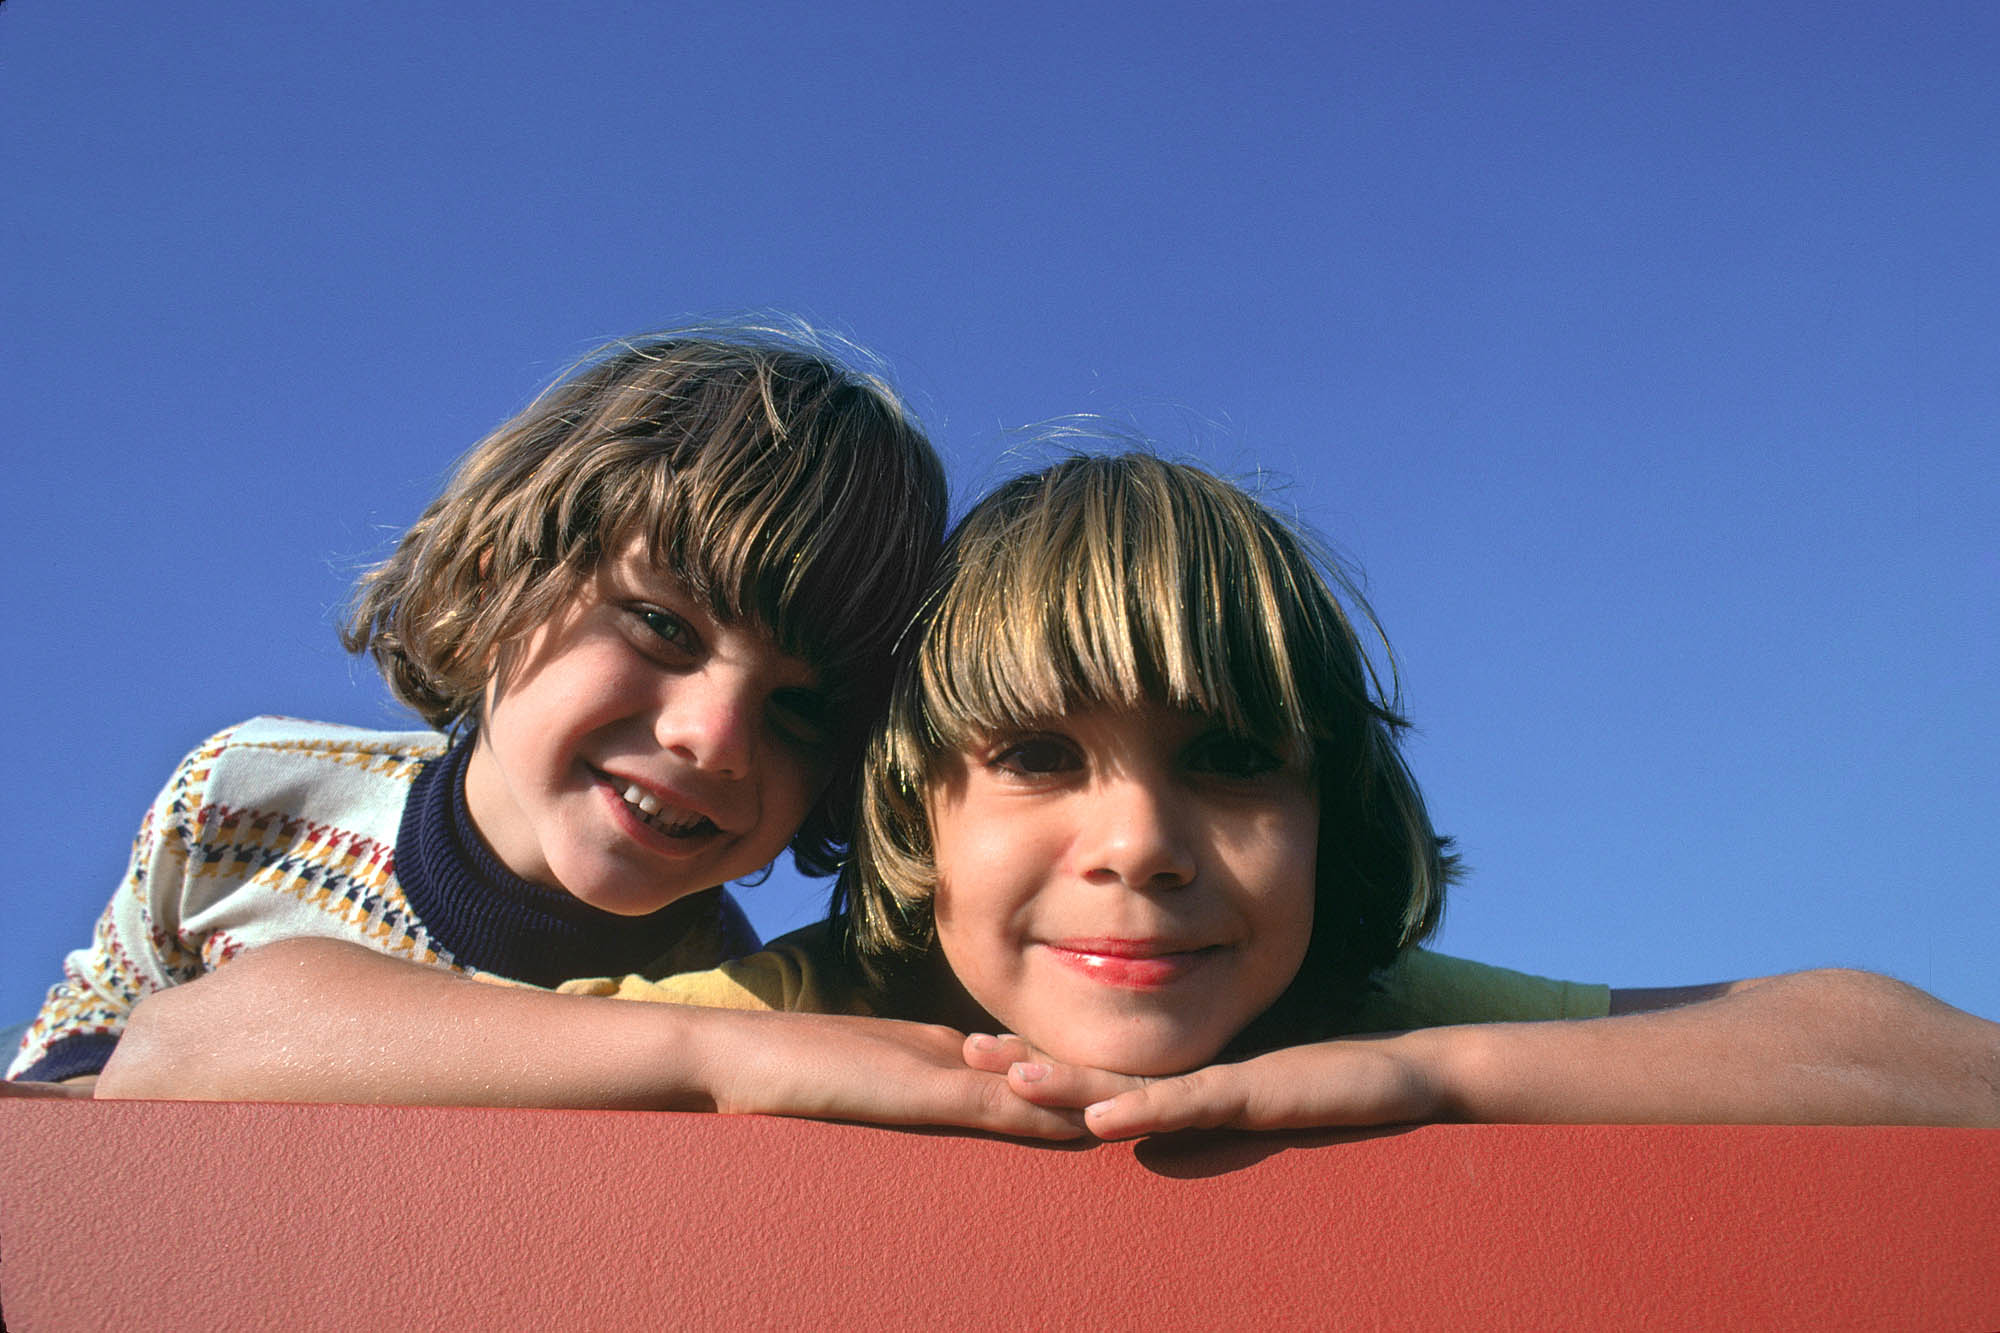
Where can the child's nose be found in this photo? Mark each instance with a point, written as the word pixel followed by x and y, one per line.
pixel 1137 837
pixel 709 718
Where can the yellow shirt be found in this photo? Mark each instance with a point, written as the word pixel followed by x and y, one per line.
pixel 1421 989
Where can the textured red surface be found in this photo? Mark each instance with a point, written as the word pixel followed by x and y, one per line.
pixel 252 1216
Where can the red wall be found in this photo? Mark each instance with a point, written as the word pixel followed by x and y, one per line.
pixel 147 1215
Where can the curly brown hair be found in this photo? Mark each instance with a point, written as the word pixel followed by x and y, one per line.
pixel 774 481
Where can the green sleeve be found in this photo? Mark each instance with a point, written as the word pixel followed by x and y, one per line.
pixel 1424 990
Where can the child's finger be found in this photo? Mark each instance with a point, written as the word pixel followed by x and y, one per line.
pixel 1005 1112
pixel 1009 1114
pixel 1048 1082
pixel 1201 1100
pixel 994 1054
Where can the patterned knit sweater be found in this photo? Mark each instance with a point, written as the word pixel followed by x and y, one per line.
pixel 280 828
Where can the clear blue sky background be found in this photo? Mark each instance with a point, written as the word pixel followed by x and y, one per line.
pixel 1646 359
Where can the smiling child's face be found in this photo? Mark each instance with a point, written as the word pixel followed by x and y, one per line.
pixel 1126 889
pixel 639 750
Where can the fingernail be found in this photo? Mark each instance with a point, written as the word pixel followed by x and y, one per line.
pixel 1028 1073
pixel 982 1042
pixel 1097 1108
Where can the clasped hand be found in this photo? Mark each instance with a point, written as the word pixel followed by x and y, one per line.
pixel 1351 1081
pixel 895 1073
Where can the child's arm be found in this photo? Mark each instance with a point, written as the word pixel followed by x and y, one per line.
pixel 321 1020
pixel 1828 1047
pixel 136 946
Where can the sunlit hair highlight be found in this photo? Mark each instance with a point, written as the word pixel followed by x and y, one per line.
pixel 1129 580
pixel 775 482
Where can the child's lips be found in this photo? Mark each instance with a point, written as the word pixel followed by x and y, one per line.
pixel 669 813
pixel 1135 964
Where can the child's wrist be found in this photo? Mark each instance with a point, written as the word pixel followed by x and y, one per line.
pixel 1444 1063
pixel 695 1049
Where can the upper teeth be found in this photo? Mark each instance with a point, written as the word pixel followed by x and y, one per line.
pixel 679 824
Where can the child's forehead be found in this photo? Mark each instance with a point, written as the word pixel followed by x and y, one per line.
pixel 632 565
pixel 636 559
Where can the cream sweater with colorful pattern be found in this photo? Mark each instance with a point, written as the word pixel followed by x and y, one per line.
pixel 280 828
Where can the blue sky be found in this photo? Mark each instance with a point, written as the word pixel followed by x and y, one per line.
pixel 1645 362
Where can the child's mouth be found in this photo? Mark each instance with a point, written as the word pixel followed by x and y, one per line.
pixel 649 809
pixel 1130 964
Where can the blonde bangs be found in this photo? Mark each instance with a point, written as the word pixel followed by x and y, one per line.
pixel 1099 586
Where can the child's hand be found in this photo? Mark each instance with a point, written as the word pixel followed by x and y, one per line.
pixel 1355 1081
pixel 1041 1079
pixel 79 1089
pixel 875 1070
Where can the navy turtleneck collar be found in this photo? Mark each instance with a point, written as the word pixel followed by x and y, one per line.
pixel 487 917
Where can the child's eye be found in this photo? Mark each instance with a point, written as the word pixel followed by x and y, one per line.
pixel 1230 756
pixel 1037 756
pixel 667 627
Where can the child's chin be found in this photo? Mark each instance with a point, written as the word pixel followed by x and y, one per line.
pixel 1149 1056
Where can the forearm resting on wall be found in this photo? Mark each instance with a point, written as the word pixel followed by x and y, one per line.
pixel 319 1020
pixel 1824 1047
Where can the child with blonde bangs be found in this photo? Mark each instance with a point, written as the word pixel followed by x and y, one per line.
pixel 645 626
pixel 1137 822
pixel 1128 594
